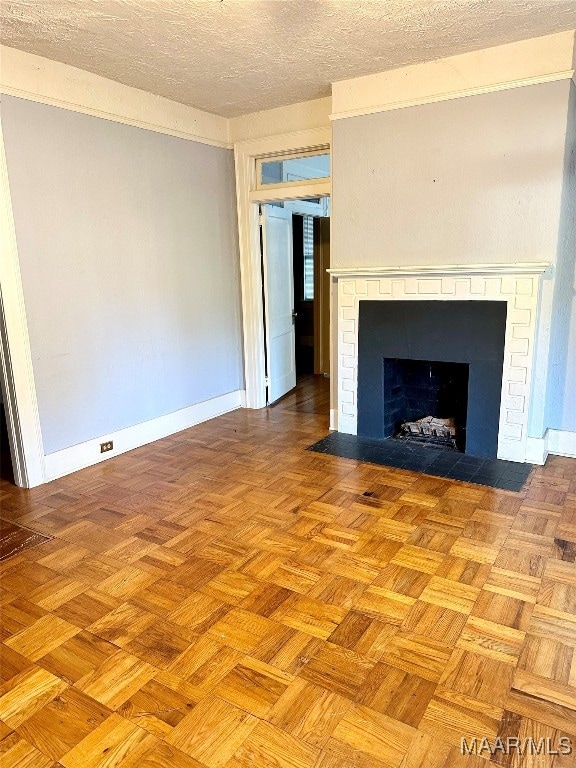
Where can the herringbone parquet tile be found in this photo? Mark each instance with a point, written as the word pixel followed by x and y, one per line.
pixel 225 599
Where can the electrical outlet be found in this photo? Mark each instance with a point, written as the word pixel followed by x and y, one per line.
pixel 106 446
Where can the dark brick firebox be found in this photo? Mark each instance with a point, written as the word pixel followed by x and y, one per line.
pixel 417 388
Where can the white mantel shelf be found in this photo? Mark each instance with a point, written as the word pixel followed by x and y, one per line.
pixel 518 268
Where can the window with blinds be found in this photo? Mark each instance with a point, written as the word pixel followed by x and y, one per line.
pixel 308 287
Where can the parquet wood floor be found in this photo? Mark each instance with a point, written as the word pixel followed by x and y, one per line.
pixel 225 599
pixel 14 539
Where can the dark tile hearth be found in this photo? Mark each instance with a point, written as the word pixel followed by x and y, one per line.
pixel 495 473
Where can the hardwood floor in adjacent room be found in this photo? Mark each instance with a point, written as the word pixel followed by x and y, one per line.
pixel 225 599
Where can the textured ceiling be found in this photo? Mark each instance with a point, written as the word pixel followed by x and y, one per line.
pixel 233 57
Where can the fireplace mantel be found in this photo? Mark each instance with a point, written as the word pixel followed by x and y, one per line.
pixel 518 268
pixel 518 284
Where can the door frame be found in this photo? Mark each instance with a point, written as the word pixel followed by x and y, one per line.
pixel 248 198
pixel 321 300
pixel 16 371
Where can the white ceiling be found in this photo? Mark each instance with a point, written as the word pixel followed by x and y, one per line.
pixel 233 57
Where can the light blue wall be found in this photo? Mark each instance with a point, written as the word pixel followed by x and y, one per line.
pixel 470 180
pixel 128 251
pixel 561 392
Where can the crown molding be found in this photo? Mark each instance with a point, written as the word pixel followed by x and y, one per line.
pixel 528 62
pixel 504 86
pixel 518 268
pixel 59 85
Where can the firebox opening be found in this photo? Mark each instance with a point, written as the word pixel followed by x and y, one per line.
pixel 426 401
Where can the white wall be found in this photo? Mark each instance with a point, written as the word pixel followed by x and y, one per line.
pixel 127 244
pixel 470 180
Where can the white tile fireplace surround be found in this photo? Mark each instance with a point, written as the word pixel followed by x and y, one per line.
pixel 517 284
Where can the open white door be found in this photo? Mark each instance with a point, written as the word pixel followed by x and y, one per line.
pixel 279 300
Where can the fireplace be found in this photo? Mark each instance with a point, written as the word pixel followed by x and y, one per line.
pixel 501 388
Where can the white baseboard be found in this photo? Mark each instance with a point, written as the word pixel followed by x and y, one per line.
pixel 68 460
pixel 333 419
pixel 562 443
pixel 87 454
pixel 557 442
pixel 537 450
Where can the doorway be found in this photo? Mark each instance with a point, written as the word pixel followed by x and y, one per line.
pixel 295 249
pixel 254 189
pixel 8 421
pixel 6 471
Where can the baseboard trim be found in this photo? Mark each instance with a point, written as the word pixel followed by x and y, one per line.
pixel 557 442
pixel 562 443
pixel 537 450
pixel 333 419
pixel 87 454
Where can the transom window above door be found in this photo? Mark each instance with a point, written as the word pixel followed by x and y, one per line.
pixel 293 169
